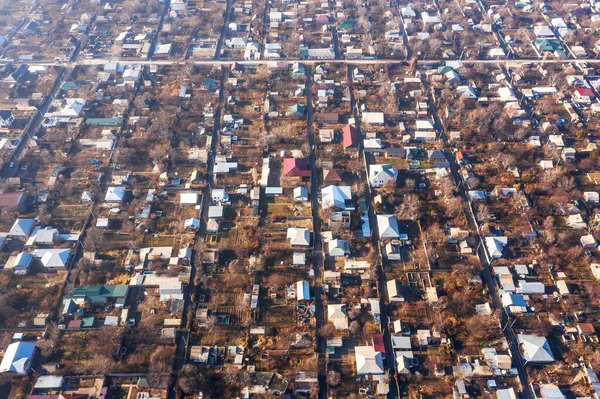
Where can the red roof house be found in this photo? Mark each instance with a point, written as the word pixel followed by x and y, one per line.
pixel 378 344
pixel 350 135
pixel 295 167
pixel 584 93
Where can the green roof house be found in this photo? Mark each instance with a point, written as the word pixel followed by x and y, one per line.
pixel 99 294
pixel 347 24
pixel 104 121
pixel 297 110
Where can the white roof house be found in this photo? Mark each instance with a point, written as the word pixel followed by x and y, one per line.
pixel 535 349
pixel 424 124
pixel 508 393
pixel 394 291
pixel 495 245
pixel 87 196
pixel 507 94
pixel 46 235
pixel 546 164
pixel 21 228
pixel 368 360
pixel 379 175
pixel 303 290
pixel 388 226
pixel 591 196
pixel 430 19
pixel 336 314
pixel 188 198
pixel 543 31
pixel 339 197
pixel 298 236
pixel 404 360
pixel 576 221
pixel 53 258
pixel 588 241
pixel 551 391
pixel 19 263
pixel 18 358
pixel 373 118
pixel 115 194
pixel 338 247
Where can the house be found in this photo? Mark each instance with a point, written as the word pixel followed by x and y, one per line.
pixel 331 176
pixel 19 263
pixel 535 349
pixel 338 247
pixel 298 110
pixel 368 361
pixel 350 138
pixel 298 236
pixel 115 195
pixel 393 251
pixel 191 224
pixel 495 246
pixel 87 197
pixel 506 393
pixel 300 194
pixel 6 119
pixel 339 197
pixel 189 198
pixel 373 118
pixel 388 226
pixel 404 360
pixel 21 228
pixel 326 135
pixel 379 175
pixel 16 201
pixel 18 358
pixel 298 69
pixel 320 53
pixel 584 95
pixel 394 291
pixel 550 391
pixel 46 236
pixel 576 221
pixel 99 294
pixel 302 290
pixel 336 314
pixel 219 195
pixel 53 258
pixel 296 167
pixel 591 197
pixel 568 154
pixel 372 145
pixel 327 117
pixel 588 241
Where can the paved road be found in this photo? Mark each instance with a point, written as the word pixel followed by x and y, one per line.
pixel 229 61
pixel 224 28
pixel 481 252
pixel 390 360
pixel 318 263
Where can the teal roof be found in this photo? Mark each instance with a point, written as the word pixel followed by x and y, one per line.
pixel 104 121
pixel 297 109
pixel 548 44
pixel 99 293
pixel 347 24
pixel 87 322
pixel 66 86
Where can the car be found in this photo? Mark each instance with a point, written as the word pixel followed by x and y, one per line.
pixel 23 167
pixel 12 165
